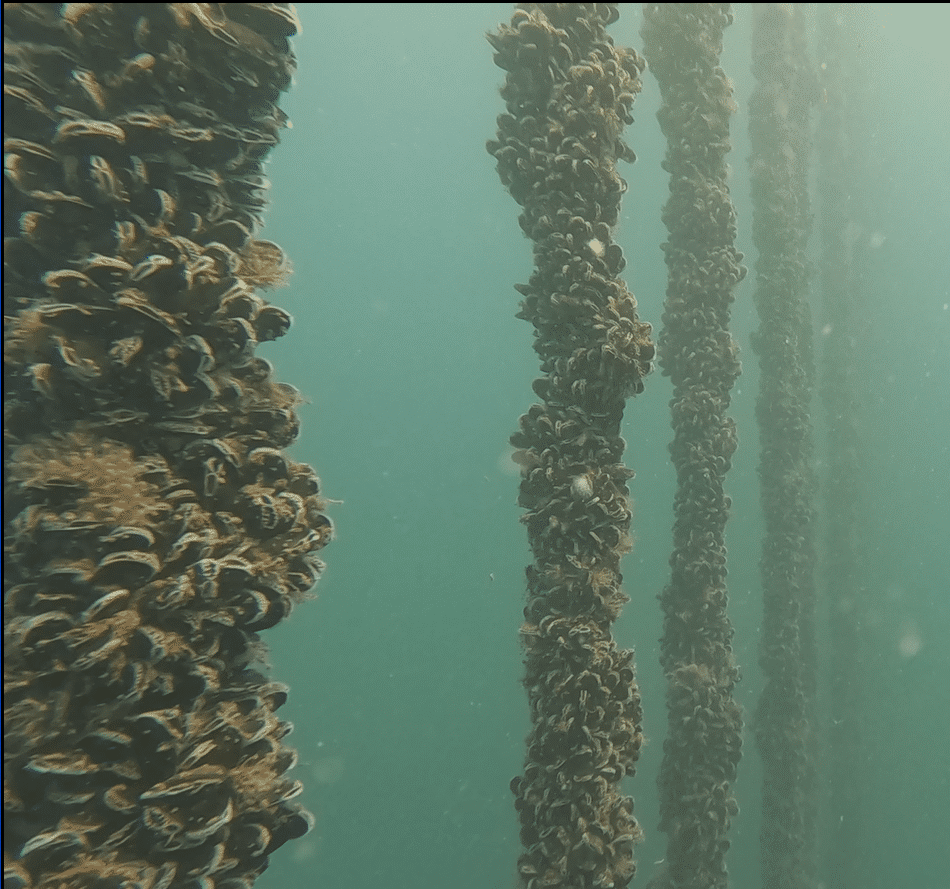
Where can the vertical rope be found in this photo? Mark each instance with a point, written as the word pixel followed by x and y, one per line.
pixel 568 93
pixel 778 117
pixel 153 525
pixel 682 45
pixel 839 154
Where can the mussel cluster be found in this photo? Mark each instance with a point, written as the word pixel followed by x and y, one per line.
pixel 568 93
pixel 682 45
pixel 153 525
pixel 779 129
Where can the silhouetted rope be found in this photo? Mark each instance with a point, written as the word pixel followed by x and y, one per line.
pixel 778 130
pixel 682 44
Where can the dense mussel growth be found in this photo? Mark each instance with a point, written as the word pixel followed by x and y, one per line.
pixel 682 44
pixel 568 93
pixel 153 525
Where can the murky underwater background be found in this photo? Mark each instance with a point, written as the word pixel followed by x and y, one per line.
pixel 405 673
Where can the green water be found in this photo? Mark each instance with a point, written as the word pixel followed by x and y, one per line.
pixel 405 673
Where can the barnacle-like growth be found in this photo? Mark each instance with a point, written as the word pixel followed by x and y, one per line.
pixel 568 93
pixel 153 525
